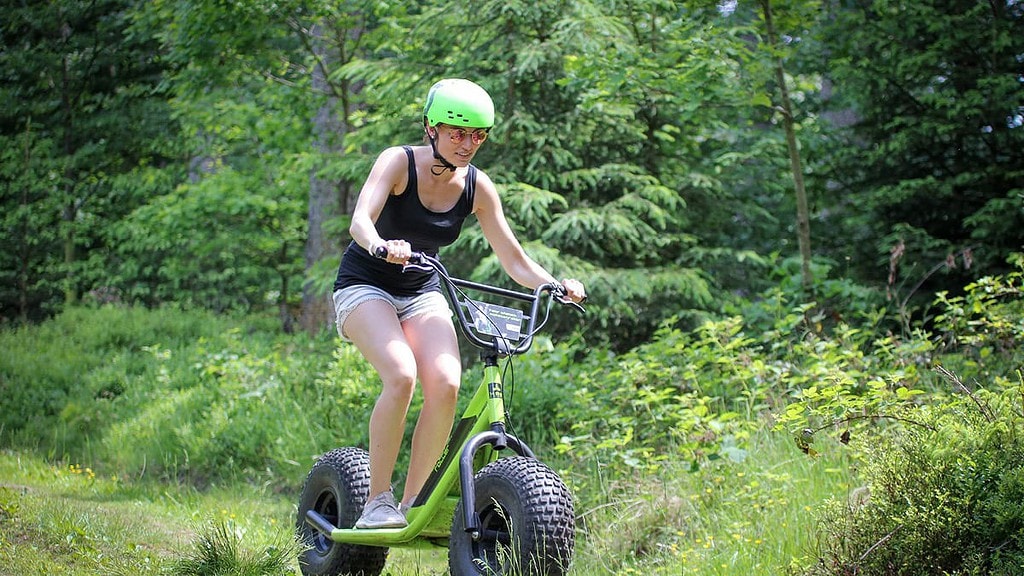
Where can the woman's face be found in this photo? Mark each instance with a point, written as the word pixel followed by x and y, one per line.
pixel 459 145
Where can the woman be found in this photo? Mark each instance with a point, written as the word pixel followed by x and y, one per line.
pixel 416 199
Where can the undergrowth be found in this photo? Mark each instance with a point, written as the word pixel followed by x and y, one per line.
pixel 706 451
pixel 943 489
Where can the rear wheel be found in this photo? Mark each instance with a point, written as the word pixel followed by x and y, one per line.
pixel 527 525
pixel 336 488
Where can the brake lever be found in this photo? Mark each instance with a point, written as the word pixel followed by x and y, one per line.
pixel 416 261
pixel 416 266
pixel 559 294
pixel 575 305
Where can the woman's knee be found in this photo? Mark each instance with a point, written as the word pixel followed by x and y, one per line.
pixel 442 387
pixel 399 383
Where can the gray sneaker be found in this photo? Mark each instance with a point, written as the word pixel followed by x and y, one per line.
pixel 382 512
pixel 404 508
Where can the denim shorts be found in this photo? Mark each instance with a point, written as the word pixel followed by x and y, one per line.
pixel 347 299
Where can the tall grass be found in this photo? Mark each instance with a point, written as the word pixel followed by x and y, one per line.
pixel 221 549
pixel 756 516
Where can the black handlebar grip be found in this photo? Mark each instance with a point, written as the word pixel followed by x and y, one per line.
pixel 381 252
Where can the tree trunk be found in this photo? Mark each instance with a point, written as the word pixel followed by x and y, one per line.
pixel 324 195
pixel 69 213
pixel 68 216
pixel 802 211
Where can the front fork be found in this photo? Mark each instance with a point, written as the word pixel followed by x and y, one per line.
pixel 499 440
pixel 496 437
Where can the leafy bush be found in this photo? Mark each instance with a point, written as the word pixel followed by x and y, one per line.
pixel 944 473
pixel 698 396
pixel 945 495
pixel 982 328
pixel 867 381
pixel 683 396
pixel 541 385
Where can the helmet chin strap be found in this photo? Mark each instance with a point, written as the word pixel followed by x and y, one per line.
pixel 442 165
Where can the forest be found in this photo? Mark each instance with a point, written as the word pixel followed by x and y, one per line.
pixel 674 154
pixel 795 219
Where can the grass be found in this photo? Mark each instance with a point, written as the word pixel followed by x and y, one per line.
pixel 71 520
pixel 751 517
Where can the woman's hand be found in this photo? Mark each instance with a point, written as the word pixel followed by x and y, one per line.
pixel 575 290
pixel 398 251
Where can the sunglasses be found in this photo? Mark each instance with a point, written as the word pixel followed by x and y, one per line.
pixel 457 135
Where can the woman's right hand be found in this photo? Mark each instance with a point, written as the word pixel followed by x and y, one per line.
pixel 394 251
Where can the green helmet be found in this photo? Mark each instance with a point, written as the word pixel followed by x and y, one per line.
pixel 458 102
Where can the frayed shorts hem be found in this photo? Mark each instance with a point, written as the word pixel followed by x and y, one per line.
pixel 348 299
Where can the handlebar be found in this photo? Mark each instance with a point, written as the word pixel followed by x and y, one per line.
pixel 503 325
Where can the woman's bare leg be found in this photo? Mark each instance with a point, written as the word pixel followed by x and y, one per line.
pixel 373 327
pixel 435 346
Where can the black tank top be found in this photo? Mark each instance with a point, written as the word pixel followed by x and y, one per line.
pixel 404 217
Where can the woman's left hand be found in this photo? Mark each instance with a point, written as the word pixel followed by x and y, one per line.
pixel 575 290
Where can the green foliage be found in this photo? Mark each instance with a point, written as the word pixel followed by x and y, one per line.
pixel 197 397
pixel 930 91
pixel 240 252
pixel 230 237
pixel 30 278
pixel 77 365
pixel 986 319
pixel 681 397
pixel 941 471
pixel 852 388
pixel 944 495
pixel 544 382
pixel 84 106
pixel 871 379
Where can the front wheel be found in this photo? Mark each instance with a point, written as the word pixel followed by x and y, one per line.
pixel 527 525
pixel 336 488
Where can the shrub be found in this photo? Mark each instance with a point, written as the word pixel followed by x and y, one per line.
pixel 944 499
pixel 982 328
pixel 686 396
